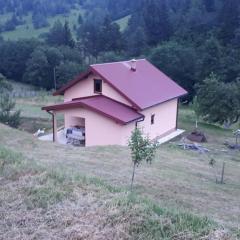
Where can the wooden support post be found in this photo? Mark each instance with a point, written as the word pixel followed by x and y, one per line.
pixel 54 127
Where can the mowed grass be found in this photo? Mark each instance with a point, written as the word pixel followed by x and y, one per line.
pixel 177 179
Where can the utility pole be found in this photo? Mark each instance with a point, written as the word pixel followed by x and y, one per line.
pixel 54 78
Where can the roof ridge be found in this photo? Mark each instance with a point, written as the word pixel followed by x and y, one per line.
pixel 97 64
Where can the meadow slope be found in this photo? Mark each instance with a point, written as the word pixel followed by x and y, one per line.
pixel 177 179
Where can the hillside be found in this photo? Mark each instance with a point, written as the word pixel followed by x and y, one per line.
pixel 178 182
pixel 26 30
pixel 48 185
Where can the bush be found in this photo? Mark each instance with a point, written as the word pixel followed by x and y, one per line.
pixel 7 114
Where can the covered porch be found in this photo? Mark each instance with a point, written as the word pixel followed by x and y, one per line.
pixel 95 120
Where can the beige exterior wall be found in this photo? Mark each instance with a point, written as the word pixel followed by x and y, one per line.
pixel 85 88
pixel 165 119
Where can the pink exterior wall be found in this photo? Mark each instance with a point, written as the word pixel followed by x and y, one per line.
pixel 165 119
pixel 101 130
pixel 71 121
pixel 85 88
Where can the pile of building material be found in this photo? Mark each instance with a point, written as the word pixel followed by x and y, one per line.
pixel 197 136
pixel 76 136
pixel 232 146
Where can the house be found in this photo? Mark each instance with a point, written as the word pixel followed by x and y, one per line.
pixel 109 100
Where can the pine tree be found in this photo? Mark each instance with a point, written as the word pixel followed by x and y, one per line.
pixel 60 34
pixel 136 42
pixel 67 36
pixel 209 5
pixel 229 20
pixel 156 19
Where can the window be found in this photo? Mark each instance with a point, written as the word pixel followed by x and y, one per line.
pixel 152 118
pixel 97 85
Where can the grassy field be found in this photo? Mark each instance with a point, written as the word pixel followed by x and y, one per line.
pixel 123 22
pixel 179 182
pixel 28 31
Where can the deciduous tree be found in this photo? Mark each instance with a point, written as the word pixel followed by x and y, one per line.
pixel 142 149
pixel 219 102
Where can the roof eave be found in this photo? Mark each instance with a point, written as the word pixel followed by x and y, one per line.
pixel 182 95
pixel 60 107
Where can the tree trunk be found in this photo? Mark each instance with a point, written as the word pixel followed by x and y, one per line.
pixel 196 124
pixel 133 174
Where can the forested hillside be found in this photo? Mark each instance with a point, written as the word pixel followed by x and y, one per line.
pixel 187 39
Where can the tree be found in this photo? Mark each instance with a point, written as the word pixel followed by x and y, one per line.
pixel 142 149
pixel 40 67
pixel 156 20
pixel 230 64
pixel 195 106
pixel 39 20
pixel 67 36
pixel 37 70
pixel 179 62
pixel 80 19
pixel 60 35
pixel 10 25
pixel 210 5
pixel 211 57
pixel 110 38
pixel 136 42
pixel 66 71
pixel 229 20
pixel 7 114
pixel 219 102
pixel 101 37
pixel 13 57
pixel 89 37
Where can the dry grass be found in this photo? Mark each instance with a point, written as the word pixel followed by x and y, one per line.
pixel 38 203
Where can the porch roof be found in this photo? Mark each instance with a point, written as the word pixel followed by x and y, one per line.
pixel 103 105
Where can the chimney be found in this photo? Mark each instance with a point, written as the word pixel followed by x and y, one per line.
pixel 133 65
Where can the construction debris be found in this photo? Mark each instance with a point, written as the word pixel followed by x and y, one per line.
pixel 232 146
pixel 193 146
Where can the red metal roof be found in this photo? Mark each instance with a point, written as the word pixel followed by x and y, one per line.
pixel 103 105
pixel 145 87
